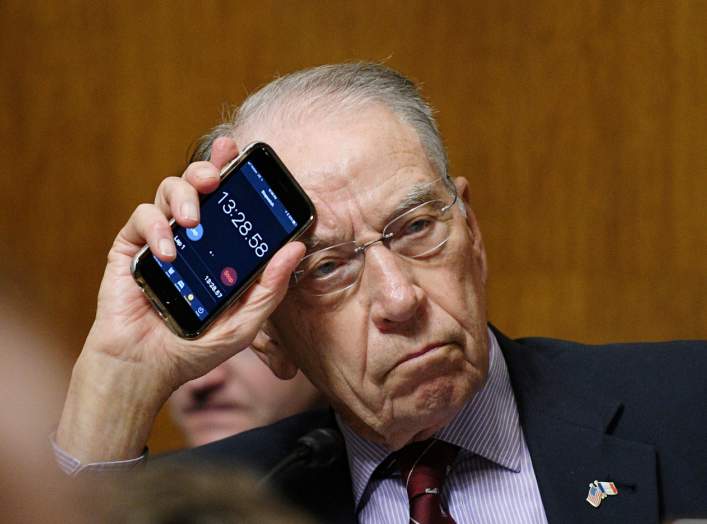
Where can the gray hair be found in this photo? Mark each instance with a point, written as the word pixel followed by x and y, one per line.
pixel 331 88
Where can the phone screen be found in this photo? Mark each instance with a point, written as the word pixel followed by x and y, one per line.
pixel 244 222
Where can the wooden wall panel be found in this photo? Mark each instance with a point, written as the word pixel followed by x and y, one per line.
pixel 580 126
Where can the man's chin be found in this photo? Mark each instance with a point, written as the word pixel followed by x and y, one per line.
pixel 207 429
pixel 431 407
pixel 207 437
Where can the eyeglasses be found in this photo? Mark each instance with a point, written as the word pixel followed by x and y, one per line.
pixel 418 233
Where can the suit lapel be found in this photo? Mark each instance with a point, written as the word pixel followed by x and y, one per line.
pixel 567 429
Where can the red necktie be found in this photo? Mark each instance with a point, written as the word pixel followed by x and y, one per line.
pixel 423 466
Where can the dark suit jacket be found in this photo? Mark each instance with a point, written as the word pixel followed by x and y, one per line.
pixel 632 414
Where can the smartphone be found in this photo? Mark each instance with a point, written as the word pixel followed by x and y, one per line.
pixel 257 208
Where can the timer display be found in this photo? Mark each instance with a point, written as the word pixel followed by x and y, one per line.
pixel 243 226
pixel 240 223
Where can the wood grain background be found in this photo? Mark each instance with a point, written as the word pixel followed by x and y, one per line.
pixel 580 125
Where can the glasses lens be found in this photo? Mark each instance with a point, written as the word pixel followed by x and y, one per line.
pixel 331 269
pixel 421 231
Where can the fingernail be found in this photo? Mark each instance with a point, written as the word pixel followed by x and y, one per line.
pixel 166 247
pixel 203 174
pixel 189 211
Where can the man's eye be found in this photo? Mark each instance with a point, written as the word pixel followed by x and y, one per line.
pixel 325 268
pixel 418 226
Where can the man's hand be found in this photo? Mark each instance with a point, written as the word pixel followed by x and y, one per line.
pixel 131 361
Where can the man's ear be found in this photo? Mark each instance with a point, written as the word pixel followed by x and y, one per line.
pixel 464 202
pixel 268 348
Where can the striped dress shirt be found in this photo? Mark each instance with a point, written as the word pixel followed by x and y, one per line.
pixel 492 479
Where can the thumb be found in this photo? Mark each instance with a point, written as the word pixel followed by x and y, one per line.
pixel 272 285
pixel 256 305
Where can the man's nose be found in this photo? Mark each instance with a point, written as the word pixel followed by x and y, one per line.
pixel 395 297
pixel 213 380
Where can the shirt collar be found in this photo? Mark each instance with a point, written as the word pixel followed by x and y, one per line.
pixel 487 426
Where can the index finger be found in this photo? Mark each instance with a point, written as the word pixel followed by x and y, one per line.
pixel 223 150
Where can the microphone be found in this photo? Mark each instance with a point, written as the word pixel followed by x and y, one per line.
pixel 318 448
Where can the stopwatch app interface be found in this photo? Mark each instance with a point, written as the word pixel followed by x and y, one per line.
pixel 242 224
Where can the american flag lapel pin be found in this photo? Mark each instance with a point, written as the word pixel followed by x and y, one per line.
pixel 598 491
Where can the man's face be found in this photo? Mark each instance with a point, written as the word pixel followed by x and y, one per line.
pixel 400 352
pixel 240 394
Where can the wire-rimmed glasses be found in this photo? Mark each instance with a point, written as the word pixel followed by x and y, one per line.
pixel 419 232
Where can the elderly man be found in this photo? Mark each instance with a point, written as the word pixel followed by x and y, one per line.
pixel 444 419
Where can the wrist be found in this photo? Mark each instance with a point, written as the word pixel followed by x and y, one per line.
pixel 110 408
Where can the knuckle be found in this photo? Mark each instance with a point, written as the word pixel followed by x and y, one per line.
pixel 156 228
pixel 167 185
pixel 200 170
pixel 149 219
pixel 143 209
pixel 189 191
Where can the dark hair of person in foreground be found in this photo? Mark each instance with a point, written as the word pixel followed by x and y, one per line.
pixel 177 495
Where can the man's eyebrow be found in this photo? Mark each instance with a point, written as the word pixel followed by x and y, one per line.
pixel 310 242
pixel 418 194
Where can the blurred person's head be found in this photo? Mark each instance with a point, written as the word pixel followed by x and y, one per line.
pixel 240 394
pixel 32 375
pixel 180 495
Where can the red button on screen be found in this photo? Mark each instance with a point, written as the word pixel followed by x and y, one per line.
pixel 229 276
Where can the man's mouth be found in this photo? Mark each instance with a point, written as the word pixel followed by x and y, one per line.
pixel 212 407
pixel 428 348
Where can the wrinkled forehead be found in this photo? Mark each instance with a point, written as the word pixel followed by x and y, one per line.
pixel 356 167
pixel 348 212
